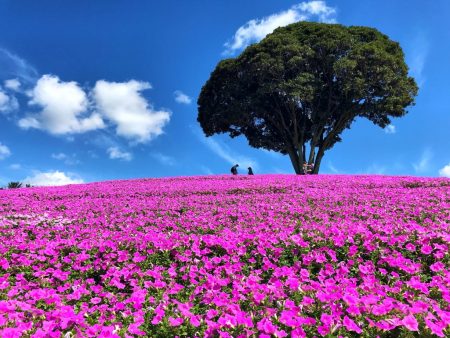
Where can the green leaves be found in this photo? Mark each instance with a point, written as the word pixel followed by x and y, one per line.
pixel 306 83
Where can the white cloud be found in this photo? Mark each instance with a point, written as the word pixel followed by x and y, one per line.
pixel 64 108
pixel 116 154
pixel 164 159
pixel 181 97
pixel 318 8
pixel 390 129
pixel 13 84
pixel 64 105
pixel 4 101
pixel 4 151
pixel 229 156
pixel 29 122
pixel 52 178
pixel 445 172
pixel 423 165
pixel 7 103
pixel 123 104
pixel 68 159
pixel 256 29
pixel 59 156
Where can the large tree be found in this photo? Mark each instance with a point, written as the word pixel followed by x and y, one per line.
pixel 301 86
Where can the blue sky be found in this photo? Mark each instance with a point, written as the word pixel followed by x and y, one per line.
pixel 100 90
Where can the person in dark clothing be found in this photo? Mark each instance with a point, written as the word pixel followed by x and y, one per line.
pixel 250 171
pixel 234 169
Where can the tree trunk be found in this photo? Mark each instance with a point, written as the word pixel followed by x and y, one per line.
pixel 296 157
pixel 312 152
pixel 296 161
pixel 304 153
pixel 319 156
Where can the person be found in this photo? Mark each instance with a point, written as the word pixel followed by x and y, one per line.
pixel 308 168
pixel 250 171
pixel 234 169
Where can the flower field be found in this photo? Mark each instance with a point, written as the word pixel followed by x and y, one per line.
pixel 222 256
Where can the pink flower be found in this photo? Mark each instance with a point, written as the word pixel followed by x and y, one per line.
pixel 134 329
pixel 175 321
pixel 326 319
pixel 410 323
pixel 265 325
pixel 289 318
pixel 436 267
pixel 410 247
pixel 436 329
pixel 195 321
pixel 211 313
pixel 351 325
pixel 426 249
pixel 157 319
pixel 323 330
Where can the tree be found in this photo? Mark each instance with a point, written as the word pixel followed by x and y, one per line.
pixel 301 86
pixel 14 185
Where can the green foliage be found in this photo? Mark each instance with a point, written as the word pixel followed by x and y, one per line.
pixel 304 84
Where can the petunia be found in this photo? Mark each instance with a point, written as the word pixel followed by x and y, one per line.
pixel 436 267
pixel 410 322
pixel 351 325
pixel 175 321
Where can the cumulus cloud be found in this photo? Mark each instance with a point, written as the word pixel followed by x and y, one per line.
pixel 445 171
pixel 4 101
pixel 4 151
pixel 123 104
pixel 52 178
pixel 7 103
pixel 64 106
pixel 390 129
pixel 116 154
pixel 256 29
pixel 182 98
pixel 12 84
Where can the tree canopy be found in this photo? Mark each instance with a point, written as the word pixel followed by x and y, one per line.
pixel 302 85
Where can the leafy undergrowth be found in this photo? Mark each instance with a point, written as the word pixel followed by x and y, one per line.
pixel 263 256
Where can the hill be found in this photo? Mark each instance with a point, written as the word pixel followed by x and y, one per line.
pixel 274 255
